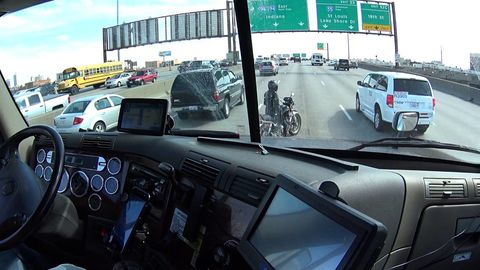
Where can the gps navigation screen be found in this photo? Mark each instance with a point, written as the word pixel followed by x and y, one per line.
pixel 143 116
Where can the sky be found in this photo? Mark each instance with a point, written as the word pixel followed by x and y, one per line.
pixel 45 39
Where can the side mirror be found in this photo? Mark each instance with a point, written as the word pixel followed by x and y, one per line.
pixel 359 83
pixel 405 121
pixel 240 77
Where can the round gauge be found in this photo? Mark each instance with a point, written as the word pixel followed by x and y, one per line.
pixel 94 202
pixel 96 182
pixel 49 157
pixel 47 174
pixel 39 171
pixel 41 156
pixel 64 182
pixel 111 185
pixel 114 165
pixel 79 184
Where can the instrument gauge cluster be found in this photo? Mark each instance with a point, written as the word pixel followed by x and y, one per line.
pixel 97 180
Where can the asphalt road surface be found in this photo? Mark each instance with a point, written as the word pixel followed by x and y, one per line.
pixel 325 99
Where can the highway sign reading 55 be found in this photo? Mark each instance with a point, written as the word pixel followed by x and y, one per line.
pixel 278 15
pixel 337 15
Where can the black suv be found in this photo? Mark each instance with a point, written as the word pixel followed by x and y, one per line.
pixel 183 66
pixel 342 64
pixel 206 90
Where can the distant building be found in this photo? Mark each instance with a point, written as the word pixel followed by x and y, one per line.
pixel 8 83
pixel 59 77
pixel 153 64
pixel 14 80
pixel 475 61
pixel 37 83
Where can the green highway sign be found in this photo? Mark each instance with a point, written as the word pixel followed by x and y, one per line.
pixel 376 17
pixel 296 55
pixel 337 15
pixel 278 15
pixel 320 46
pixel 304 55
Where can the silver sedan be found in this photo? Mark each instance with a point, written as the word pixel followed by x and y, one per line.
pixel 95 113
pixel 118 80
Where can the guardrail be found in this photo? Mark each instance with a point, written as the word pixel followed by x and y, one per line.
pixel 459 90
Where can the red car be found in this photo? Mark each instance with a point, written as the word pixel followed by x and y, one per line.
pixel 142 76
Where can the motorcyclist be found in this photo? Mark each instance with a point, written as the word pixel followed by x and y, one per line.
pixel 272 102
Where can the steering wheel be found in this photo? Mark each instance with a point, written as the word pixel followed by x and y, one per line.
pixel 24 199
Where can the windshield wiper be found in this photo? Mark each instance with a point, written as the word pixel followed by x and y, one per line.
pixel 205 133
pixel 414 142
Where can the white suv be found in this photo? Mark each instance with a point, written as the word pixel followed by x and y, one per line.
pixel 383 94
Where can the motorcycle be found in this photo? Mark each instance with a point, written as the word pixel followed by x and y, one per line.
pixel 290 123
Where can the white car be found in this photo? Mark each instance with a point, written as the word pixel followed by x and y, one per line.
pixel 118 80
pixel 332 63
pixel 383 94
pixel 95 113
pixel 283 61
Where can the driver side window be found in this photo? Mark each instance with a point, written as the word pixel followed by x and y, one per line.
pixel 373 81
pixel 366 81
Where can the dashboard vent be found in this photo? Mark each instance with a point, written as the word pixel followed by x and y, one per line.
pixel 249 186
pixel 98 142
pixel 476 183
pixel 47 141
pixel 206 173
pixel 445 188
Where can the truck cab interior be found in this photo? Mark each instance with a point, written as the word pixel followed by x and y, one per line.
pixel 152 198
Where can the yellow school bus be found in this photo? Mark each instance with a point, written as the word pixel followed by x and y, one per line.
pixel 76 78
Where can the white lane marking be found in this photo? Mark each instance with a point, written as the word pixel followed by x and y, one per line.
pixel 345 112
pixel 322 83
pixel 278 82
pixel 260 106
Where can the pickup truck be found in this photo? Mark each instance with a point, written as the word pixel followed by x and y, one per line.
pixel 34 104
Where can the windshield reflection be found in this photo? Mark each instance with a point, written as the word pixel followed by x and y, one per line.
pixel 347 86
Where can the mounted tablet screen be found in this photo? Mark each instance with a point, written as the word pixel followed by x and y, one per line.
pixel 296 227
pixel 143 116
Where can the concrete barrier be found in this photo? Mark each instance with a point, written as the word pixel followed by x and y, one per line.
pixel 459 90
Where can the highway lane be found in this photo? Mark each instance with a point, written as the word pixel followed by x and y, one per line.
pixel 325 99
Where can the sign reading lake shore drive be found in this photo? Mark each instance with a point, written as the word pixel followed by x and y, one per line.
pixel 337 15
pixel 376 17
pixel 278 15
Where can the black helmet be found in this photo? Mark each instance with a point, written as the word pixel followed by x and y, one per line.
pixel 272 85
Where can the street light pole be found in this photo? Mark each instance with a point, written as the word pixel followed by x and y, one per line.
pixel 395 36
pixel 348 45
pixel 118 12
pixel 328 53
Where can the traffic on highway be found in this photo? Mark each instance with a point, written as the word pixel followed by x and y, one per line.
pixel 184 127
